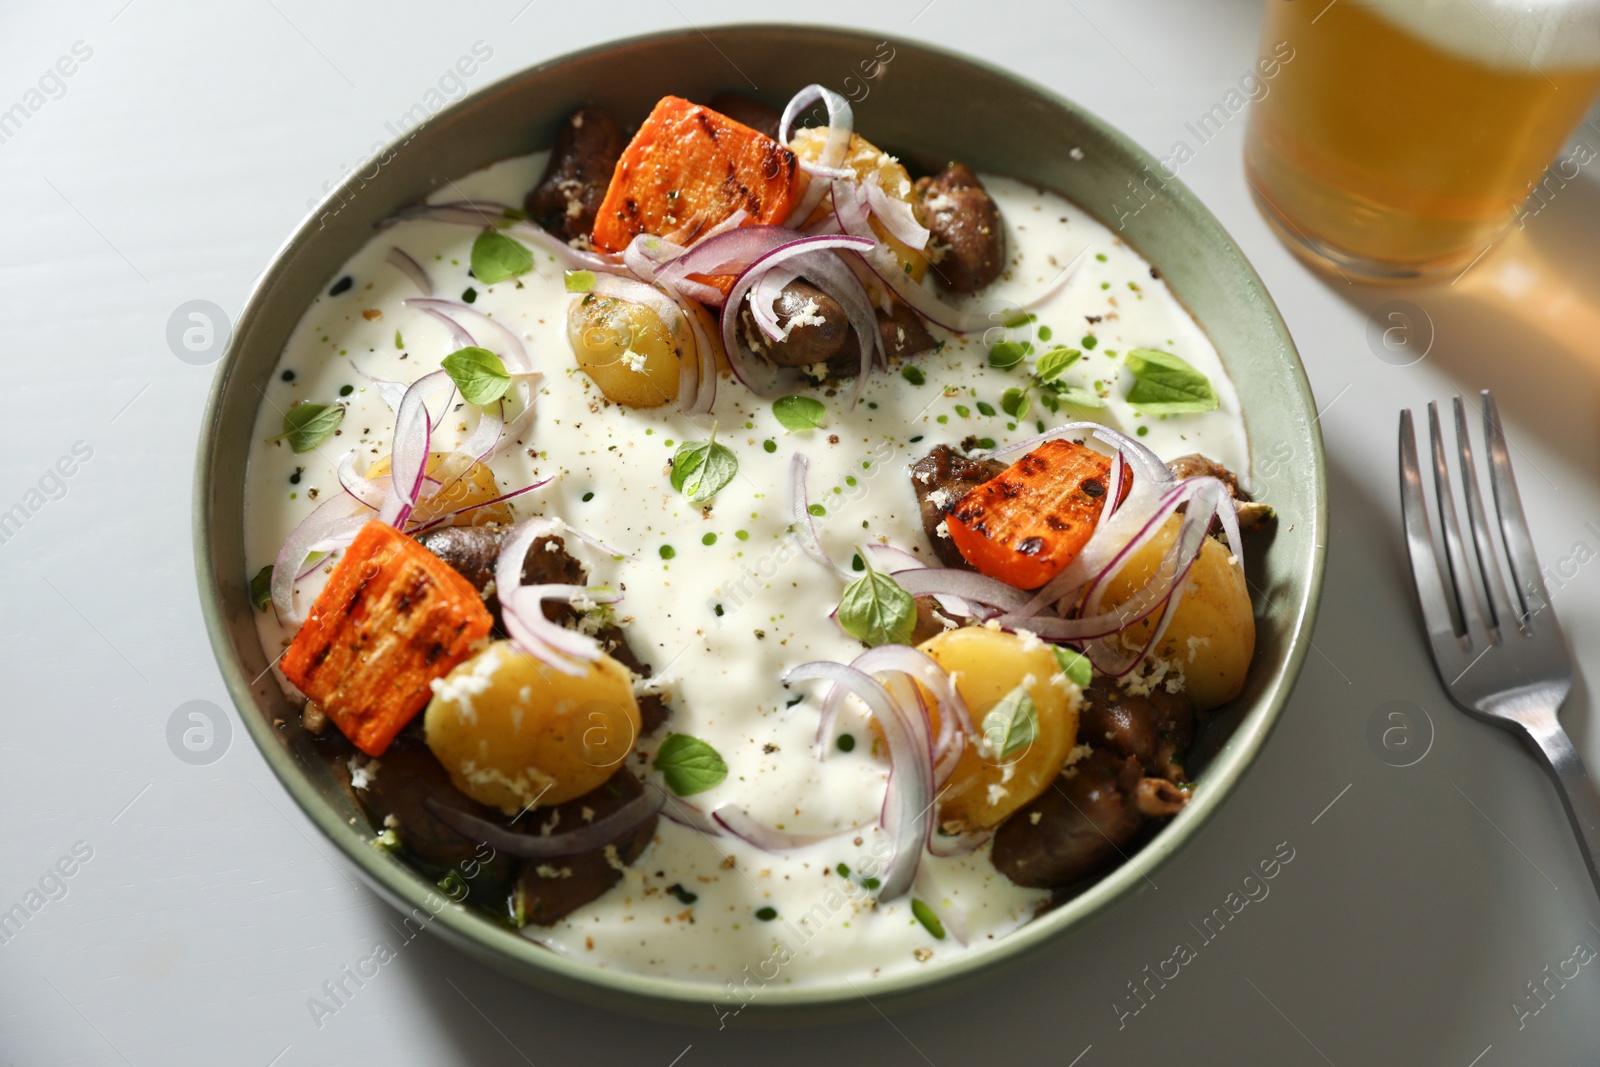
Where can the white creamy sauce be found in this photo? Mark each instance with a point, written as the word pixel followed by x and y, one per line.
pixel 721 673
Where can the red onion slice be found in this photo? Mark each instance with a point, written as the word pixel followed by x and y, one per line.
pixel 1145 463
pixel 458 333
pixel 741 824
pixel 366 490
pixel 413 433
pixel 401 261
pixel 955 722
pixel 512 351
pixel 805 529
pixel 337 518
pixel 968 585
pixel 907 815
pixel 449 517
pixel 585 838
pixel 392 392
pixel 728 252
pixel 896 215
pixel 841 123
pixel 686 814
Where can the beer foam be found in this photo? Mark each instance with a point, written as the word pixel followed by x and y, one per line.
pixel 1510 34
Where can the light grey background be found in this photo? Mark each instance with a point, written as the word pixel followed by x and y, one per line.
pixel 183 151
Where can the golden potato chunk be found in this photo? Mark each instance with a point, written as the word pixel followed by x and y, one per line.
pixel 866 159
pixel 989 667
pixel 476 486
pixel 515 733
pixel 629 352
pixel 1212 635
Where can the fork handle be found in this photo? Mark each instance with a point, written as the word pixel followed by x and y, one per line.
pixel 1577 789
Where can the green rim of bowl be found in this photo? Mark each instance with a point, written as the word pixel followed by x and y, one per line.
pixel 947 103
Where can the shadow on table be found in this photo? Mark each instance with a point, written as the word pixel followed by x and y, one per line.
pixel 1524 320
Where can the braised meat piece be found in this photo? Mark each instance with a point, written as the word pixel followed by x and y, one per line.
pixel 472 551
pixel 1074 828
pixel 575 180
pixel 818 328
pixel 547 890
pixel 399 785
pixel 903 331
pixel 968 246
pixel 940 479
pixel 1154 729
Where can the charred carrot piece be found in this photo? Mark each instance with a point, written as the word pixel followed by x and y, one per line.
pixel 1024 525
pixel 392 618
pixel 688 168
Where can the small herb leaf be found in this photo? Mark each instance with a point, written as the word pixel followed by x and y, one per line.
pixel 496 257
pixel 1083 398
pixel 689 765
pixel 579 281
pixel 1012 724
pixel 701 468
pixel 478 373
pixel 930 922
pixel 1075 665
pixel 1052 363
pixel 306 426
pixel 1165 384
pixel 261 588
pixel 1014 402
pixel 1007 354
pixel 876 610
pixel 799 412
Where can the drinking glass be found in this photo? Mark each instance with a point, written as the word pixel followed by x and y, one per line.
pixel 1401 138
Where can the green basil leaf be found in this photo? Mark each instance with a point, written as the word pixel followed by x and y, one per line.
pixel 876 610
pixel 1083 398
pixel 799 412
pixel 1052 363
pixel 1165 384
pixel 930 922
pixel 1012 724
pixel 1007 354
pixel 478 373
pixel 261 588
pixel 1075 665
pixel 1015 402
pixel 701 468
pixel 496 257
pixel 689 765
pixel 306 426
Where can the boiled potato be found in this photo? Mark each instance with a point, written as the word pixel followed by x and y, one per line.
pixel 476 486
pixel 514 732
pixel 629 352
pixel 1212 634
pixel 863 157
pixel 986 665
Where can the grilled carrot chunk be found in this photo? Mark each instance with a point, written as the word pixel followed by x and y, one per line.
pixel 1024 525
pixel 392 618
pixel 689 167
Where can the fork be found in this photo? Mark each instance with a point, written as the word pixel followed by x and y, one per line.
pixel 1502 660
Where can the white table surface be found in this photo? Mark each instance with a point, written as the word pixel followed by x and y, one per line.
pixel 185 149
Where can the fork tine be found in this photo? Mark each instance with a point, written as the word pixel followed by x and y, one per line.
pixel 1419 537
pixel 1531 595
pixel 1468 609
pixel 1500 610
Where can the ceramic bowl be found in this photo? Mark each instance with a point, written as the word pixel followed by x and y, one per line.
pixel 923 103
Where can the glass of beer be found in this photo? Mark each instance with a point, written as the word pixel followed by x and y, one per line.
pixel 1401 137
